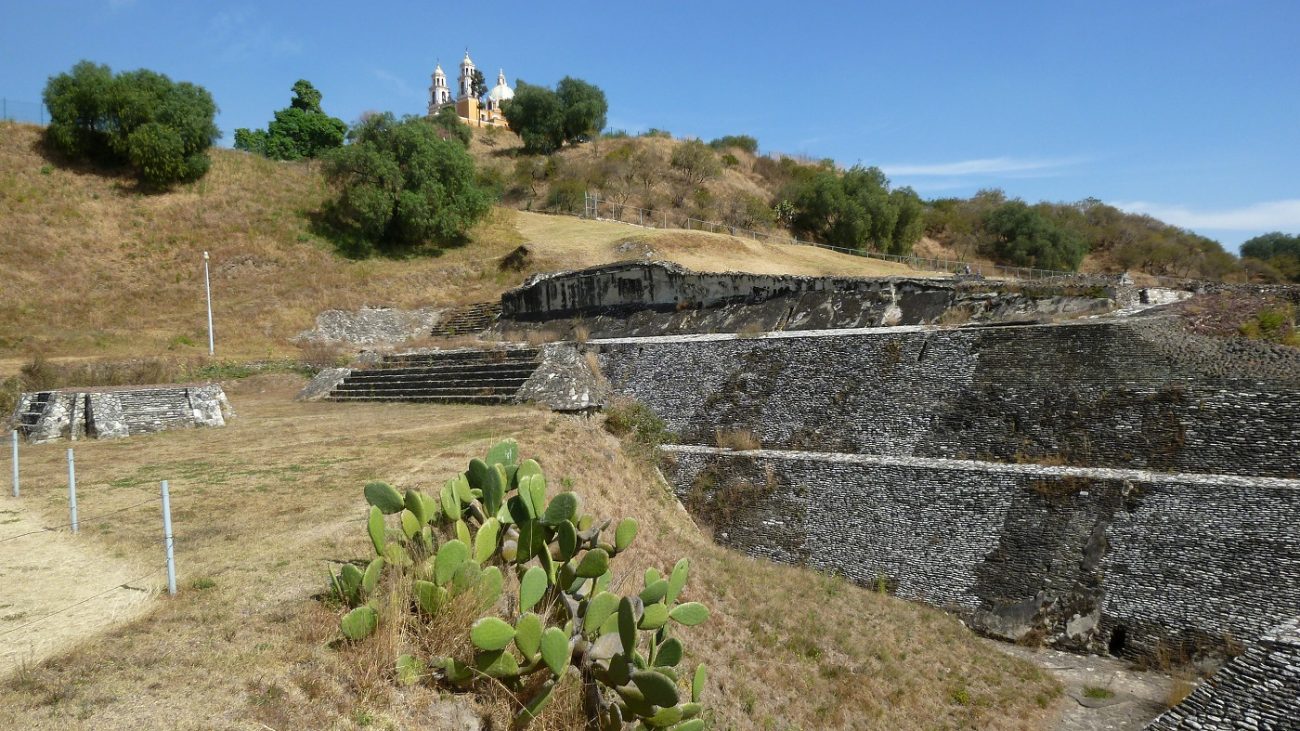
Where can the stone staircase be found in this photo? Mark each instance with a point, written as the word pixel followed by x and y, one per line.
pixel 475 377
pixel 468 320
pixel 30 410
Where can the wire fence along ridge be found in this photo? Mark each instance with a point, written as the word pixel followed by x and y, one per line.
pixel 596 208
pixel 16 110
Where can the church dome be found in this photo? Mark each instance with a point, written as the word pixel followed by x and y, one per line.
pixel 501 92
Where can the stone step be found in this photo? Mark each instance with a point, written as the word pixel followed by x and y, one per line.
pixel 524 368
pixel 397 393
pixel 505 386
pixel 428 399
pixel 477 356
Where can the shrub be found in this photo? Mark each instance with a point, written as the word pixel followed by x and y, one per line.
pixel 739 142
pixel 855 209
pixel 545 119
pixel 1274 325
pixel 695 162
pixel 141 120
pixel 451 127
pixel 568 196
pixel 537 575
pixel 401 184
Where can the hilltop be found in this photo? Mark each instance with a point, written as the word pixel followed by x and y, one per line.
pixel 92 267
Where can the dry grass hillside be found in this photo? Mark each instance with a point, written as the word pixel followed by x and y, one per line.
pixel 90 267
pixel 264 506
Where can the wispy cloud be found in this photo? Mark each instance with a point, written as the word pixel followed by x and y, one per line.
pixel 982 166
pixel 398 84
pixel 236 38
pixel 1268 215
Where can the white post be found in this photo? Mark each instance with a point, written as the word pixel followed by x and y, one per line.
pixel 72 491
pixel 207 286
pixel 14 433
pixel 167 539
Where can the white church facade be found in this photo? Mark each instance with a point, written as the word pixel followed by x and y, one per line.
pixel 469 107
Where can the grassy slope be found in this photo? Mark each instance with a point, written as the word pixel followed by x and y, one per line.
pixel 262 518
pixel 89 267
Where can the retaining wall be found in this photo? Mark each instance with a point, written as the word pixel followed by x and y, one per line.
pixel 1131 394
pixel 1259 690
pixel 1133 562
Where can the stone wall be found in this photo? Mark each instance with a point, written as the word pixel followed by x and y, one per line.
pixel 656 298
pixel 1259 690
pixel 1135 562
pixel 112 413
pixel 1107 393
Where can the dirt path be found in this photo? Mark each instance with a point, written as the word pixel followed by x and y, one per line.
pixel 1135 697
pixel 48 571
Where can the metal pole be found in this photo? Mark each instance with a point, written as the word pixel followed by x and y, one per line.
pixel 207 286
pixel 168 542
pixel 72 490
pixel 14 433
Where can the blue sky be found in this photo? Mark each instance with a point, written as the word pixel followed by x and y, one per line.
pixel 1185 109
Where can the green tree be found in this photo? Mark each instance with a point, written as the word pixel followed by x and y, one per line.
pixel 477 84
pixel 141 119
pixel 695 162
pixel 1278 250
pixel 301 130
pixel 855 209
pixel 545 119
pixel 537 116
pixel 400 183
pixel 584 109
pixel 1025 237
pixel 449 122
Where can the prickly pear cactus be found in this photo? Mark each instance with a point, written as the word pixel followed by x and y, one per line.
pixel 496 519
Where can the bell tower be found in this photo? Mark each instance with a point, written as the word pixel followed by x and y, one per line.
pixel 466 80
pixel 439 94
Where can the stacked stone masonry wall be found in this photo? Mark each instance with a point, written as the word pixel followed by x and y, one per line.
pixel 1183 563
pixel 1259 690
pixel 1105 393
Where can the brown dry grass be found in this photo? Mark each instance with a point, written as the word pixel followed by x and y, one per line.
pixel 562 240
pixel 91 267
pixel 264 506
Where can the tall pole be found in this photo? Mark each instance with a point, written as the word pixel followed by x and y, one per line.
pixel 168 541
pixel 207 286
pixel 72 491
pixel 15 440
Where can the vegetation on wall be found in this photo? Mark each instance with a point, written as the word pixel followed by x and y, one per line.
pixel 301 130
pixel 141 120
pixel 401 184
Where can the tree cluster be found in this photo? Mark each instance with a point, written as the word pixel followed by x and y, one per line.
pixel 980 226
pixel 855 209
pixel 1277 251
pixel 402 184
pixel 141 120
pixel 547 119
pixel 301 130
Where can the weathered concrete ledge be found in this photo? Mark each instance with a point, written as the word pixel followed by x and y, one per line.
pixel 1131 562
pixel 116 412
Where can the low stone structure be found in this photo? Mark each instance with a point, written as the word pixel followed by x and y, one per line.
pixel 1258 690
pixel 113 413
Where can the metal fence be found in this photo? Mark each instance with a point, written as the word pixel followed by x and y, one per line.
pixel 14 110
pixel 606 210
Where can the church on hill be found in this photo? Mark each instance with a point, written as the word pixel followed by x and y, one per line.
pixel 469 107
